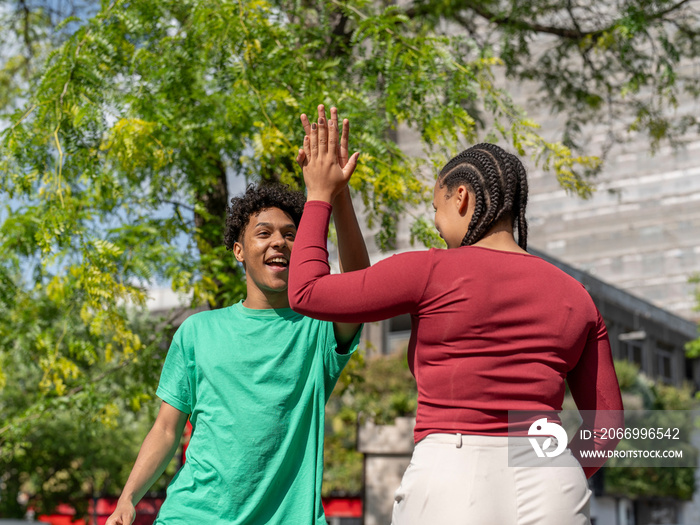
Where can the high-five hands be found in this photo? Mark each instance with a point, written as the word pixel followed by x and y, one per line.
pixel 324 159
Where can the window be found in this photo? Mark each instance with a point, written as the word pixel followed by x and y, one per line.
pixel 665 362
pixel 633 352
pixel 397 333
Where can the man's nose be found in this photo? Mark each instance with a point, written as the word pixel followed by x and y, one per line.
pixel 278 240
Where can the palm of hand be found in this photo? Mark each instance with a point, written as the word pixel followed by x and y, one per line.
pixel 324 159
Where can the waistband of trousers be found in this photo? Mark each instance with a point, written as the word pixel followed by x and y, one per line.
pixel 479 440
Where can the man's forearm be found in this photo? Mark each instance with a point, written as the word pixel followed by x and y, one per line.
pixel 352 250
pixel 156 452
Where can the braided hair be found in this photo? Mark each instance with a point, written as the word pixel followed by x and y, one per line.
pixel 499 183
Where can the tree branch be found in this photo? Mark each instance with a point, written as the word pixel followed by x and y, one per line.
pixel 575 33
pixel 180 205
pixel 663 13
pixel 25 31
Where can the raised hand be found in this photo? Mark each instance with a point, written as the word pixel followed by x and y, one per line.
pixel 324 159
pixel 343 150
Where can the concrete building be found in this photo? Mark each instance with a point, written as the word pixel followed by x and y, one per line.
pixel 640 231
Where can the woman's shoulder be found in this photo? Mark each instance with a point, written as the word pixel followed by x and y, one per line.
pixel 411 256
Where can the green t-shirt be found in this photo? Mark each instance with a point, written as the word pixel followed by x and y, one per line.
pixel 255 383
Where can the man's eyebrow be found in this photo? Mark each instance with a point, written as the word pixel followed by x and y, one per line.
pixel 269 225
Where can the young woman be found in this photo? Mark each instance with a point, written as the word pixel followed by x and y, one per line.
pixel 494 329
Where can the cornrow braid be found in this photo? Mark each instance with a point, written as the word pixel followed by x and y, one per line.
pixel 465 173
pixel 484 162
pixel 515 201
pixel 521 200
pixel 499 183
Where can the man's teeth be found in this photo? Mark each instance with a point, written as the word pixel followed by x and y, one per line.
pixel 279 260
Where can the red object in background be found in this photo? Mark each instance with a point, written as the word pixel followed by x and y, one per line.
pixel 63 516
pixel 343 507
pixel 147 510
pixel 186 435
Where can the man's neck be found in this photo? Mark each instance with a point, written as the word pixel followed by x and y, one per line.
pixel 259 300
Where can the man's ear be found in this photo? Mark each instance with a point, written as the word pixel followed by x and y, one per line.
pixel 462 200
pixel 238 252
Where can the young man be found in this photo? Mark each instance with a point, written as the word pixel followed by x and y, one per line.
pixel 253 379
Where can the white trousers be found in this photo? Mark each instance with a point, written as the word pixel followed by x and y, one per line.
pixel 458 479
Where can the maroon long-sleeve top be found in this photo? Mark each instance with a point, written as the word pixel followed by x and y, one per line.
pixel 492 331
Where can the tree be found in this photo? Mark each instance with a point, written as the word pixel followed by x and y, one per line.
pixel 654 481
pixel 622 66
pixel 65 441
pixel 125 125
pixel 692 348
pixel 30 30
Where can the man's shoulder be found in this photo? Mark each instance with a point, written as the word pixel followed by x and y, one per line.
pixel 200 322
pixel 205 316
pixel 237 313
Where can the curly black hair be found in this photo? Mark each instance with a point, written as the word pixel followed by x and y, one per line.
pixel 253 201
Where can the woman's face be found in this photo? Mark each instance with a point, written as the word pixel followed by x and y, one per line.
pixel 453 212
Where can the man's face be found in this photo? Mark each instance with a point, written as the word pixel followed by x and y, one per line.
pixel 265 250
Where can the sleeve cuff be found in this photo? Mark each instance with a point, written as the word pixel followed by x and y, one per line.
pixel 318 204
pixel 173 401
